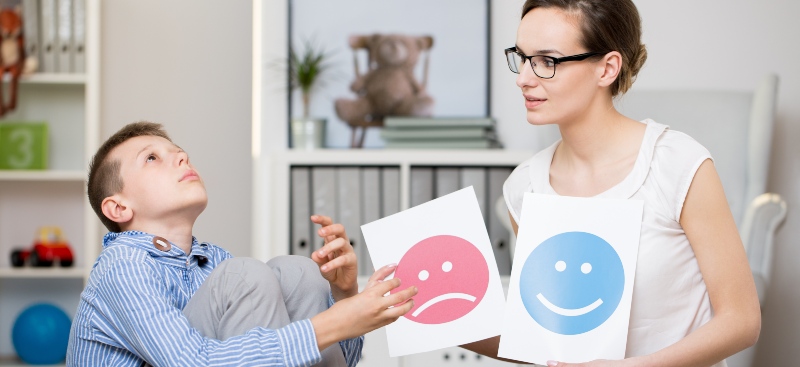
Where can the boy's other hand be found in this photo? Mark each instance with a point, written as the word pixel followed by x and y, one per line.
pixel 365 311
pixel 336 259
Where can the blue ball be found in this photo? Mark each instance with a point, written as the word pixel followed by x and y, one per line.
pixel 40 334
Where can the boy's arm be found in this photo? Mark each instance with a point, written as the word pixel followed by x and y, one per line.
pixel 139 316
pixel 365 311
pixel 339 265
pixel 351 348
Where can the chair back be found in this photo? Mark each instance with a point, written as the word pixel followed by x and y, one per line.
pixel 736 127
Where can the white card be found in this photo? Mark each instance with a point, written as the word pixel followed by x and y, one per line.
pixel 443 249
pixel 569 296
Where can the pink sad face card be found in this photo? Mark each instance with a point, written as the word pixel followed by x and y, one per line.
pixel 443 249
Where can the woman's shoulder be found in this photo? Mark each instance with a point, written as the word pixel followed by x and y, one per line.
pixel 527 177
pixel 678 148
pixel 676 158
pixel 523 175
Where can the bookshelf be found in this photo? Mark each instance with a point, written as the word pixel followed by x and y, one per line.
pixel 273 162
pixel 278 229
pixel 29 199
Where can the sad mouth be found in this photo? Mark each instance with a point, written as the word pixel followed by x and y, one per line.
pixel 441 298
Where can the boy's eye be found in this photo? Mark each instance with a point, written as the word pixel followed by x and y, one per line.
pixel 151 157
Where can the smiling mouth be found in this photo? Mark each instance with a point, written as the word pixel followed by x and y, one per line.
pixel 569 311
pixel 441 298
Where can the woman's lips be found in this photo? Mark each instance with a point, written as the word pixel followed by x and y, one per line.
pixel 533 102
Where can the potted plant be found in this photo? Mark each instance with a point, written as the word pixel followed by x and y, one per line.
pixel 305 70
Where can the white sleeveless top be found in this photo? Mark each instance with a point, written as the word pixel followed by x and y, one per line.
pixel 670 299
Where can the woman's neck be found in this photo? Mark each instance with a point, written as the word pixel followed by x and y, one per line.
pixel 596 137
pixel 597 152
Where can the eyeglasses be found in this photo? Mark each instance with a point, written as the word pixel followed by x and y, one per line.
pixel 543 66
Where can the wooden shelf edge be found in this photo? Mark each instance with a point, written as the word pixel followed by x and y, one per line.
pixel 14 362
pixel 42 273
pixel 42 175
pixel 51 78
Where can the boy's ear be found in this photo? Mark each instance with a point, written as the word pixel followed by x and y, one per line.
pixel 114 209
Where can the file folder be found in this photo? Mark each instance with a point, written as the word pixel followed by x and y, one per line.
pixel 499 235
pixel 301 225
pixel 323 189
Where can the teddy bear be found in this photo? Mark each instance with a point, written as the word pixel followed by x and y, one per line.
pixel 12 54
pixel 388 87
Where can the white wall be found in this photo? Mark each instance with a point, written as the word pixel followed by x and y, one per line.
pixel 714 44
pixel 187 64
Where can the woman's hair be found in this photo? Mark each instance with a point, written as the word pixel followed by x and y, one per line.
pixel 606 25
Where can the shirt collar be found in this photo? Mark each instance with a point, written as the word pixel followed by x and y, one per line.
pixel 144 241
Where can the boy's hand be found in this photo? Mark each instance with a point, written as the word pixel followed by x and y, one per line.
pixel 365 311
pixel 336 259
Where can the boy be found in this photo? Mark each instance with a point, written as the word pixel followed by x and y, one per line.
pixel 157 296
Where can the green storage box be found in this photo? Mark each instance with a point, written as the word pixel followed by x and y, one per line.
pixel 23 145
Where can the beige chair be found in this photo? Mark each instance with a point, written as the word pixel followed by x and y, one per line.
pixel 737 129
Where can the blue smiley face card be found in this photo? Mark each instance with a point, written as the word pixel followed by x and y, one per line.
pixel 571 284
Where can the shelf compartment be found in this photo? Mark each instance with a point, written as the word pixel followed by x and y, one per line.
pixel 21 293
pixel 26 206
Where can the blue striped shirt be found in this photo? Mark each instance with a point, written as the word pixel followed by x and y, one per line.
pixel 130 313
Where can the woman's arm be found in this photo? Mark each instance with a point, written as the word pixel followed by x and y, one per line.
pixel 707 220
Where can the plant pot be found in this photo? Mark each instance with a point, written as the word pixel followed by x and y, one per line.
pixel 308 133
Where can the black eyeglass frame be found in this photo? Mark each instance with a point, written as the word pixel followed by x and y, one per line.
pixel 556 60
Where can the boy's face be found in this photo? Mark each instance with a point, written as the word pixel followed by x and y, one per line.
pixel 159 183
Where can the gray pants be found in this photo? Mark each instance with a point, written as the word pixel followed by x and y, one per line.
pixel 243 293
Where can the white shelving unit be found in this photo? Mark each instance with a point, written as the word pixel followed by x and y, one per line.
pixel 277 228
pixel 69 103
pixel 272 163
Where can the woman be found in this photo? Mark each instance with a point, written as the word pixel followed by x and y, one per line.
pixel 694 299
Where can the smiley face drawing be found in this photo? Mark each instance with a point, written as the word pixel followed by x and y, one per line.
pixel 572 283
pixel 450 274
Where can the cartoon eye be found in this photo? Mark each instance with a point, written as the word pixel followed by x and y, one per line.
pixel 447 266
pixel 423 275
pixel 586 268
pixel 561 266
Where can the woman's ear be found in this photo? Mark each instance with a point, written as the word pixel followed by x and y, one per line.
pixel 114 209
pixel 609 68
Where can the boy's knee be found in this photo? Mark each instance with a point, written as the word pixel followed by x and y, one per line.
pixel 244 270
pixel 299 273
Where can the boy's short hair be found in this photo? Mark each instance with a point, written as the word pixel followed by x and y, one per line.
pixel 104 178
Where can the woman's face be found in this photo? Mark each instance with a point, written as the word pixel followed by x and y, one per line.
pixel 567 96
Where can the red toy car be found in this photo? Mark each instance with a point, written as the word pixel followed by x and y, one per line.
pixel 49 248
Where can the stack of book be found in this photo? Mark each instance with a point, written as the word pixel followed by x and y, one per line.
pixel 439 133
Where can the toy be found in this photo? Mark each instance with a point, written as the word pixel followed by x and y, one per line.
pixel 12 55
pixel 388 87
pixel 49 248
pixel 40 334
